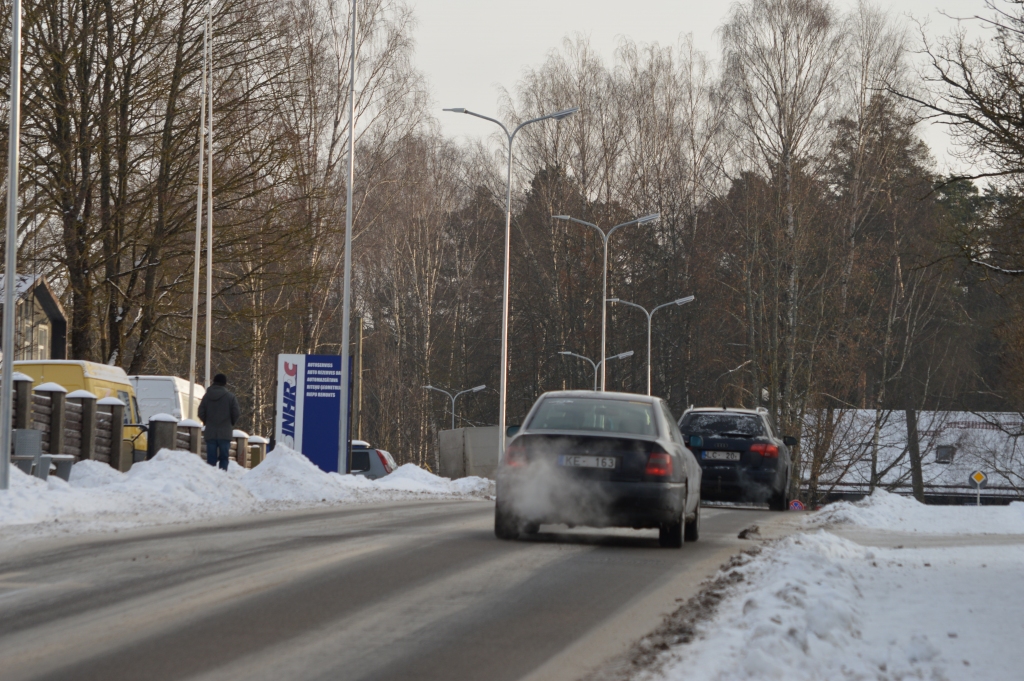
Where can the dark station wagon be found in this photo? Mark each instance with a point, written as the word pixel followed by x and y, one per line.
pixel 742 456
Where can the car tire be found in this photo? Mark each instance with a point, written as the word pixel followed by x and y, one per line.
pixel 506 524
pixel 779 500
pixel 691 532
pixel 670 535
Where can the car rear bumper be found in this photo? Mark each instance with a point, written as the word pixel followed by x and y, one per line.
pixel 593 503
pixel 727 483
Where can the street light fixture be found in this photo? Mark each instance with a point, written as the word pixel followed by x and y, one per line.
pixel 680 301
pixel 503 373
pixel 600 364
pixel 604 292
pixel 455 396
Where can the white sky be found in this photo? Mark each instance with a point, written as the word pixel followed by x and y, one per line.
pixel 469 49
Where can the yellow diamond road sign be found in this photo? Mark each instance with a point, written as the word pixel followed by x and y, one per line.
pixel 978 480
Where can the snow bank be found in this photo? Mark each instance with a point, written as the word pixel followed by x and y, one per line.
pixel 816 606
pixel 180 487
pixel 885 511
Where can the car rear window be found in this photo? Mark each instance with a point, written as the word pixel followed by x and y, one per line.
pixel 715 423
pixel 583 413
pixel 360 460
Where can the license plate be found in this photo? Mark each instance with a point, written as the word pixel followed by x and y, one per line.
pixel 588 461
pixel 721 456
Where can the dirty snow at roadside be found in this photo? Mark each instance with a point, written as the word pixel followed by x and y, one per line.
pixel 816 606
pixel 885 511
pixel 179 487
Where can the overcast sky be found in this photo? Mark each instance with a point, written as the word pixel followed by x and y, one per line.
pixel 469 49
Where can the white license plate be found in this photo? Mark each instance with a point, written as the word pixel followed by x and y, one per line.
pixel 588 461
pixel 721 456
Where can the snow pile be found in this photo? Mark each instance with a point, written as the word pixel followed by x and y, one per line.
pixel 180 487
pixel 410 478
pixel 885 511
pixel 288 476
pixel 174 485
pixel 816 606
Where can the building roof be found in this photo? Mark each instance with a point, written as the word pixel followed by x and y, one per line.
pixel 38 283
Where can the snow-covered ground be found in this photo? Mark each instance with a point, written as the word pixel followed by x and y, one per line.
pixel 177 487
pixel 896 513
pixel 816 606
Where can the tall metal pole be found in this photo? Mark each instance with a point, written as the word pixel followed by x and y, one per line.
pixel 604 307
pixel 11 272
pixel 199 235
pixel 503 374
pixel 346 304
pixel 208 60
pixel 649 314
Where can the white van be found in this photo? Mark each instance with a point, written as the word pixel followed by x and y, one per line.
pixel 165 395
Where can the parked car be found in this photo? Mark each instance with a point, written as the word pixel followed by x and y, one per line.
pixel 369 462
pixel 600 459
pixel 102 380
pixel 741 453
pixel 165 395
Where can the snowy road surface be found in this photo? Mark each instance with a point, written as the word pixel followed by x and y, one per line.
pixel 400 590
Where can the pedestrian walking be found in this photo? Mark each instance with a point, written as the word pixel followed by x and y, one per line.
pixel 219 412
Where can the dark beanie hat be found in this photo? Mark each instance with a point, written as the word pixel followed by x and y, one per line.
pixel 220 379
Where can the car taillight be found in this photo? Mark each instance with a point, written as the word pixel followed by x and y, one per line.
pixel 767 450
pixel 515 456
pixel 383 461
pixel 659 465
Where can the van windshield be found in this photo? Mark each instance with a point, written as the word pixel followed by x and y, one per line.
pixel 586 413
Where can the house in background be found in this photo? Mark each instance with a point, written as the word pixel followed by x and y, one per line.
pixel 40 326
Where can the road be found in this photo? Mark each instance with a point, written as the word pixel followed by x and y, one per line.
pixel 413 590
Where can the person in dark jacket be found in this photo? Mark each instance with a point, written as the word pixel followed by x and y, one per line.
pixel 219 412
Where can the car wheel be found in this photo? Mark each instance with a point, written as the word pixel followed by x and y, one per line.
pixel 779 500
pixel 692 530
pixel 531 528
pixel 506 525
pixel 670 535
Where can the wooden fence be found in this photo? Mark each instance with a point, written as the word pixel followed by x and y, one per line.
pixel 93 429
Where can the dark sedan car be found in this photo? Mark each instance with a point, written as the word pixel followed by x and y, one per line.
pixel 599 459
pixel 741 454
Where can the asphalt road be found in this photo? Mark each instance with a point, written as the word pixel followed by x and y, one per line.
pixel 417 590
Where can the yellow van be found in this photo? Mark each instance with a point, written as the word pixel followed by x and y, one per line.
pixel 101 380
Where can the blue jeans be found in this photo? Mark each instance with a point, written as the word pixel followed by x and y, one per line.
pixel 212 447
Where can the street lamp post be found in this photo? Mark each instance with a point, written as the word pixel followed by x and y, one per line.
pixel 205 142
pixel 604 293
pixel 346 296
pixel 680 301
pixel 503 373
pixel 455 396
pixel 11 271
pixel 600 363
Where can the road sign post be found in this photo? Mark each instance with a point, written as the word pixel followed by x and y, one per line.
pixel 978 481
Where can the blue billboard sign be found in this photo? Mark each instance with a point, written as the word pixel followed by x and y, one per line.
pixel 309 397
